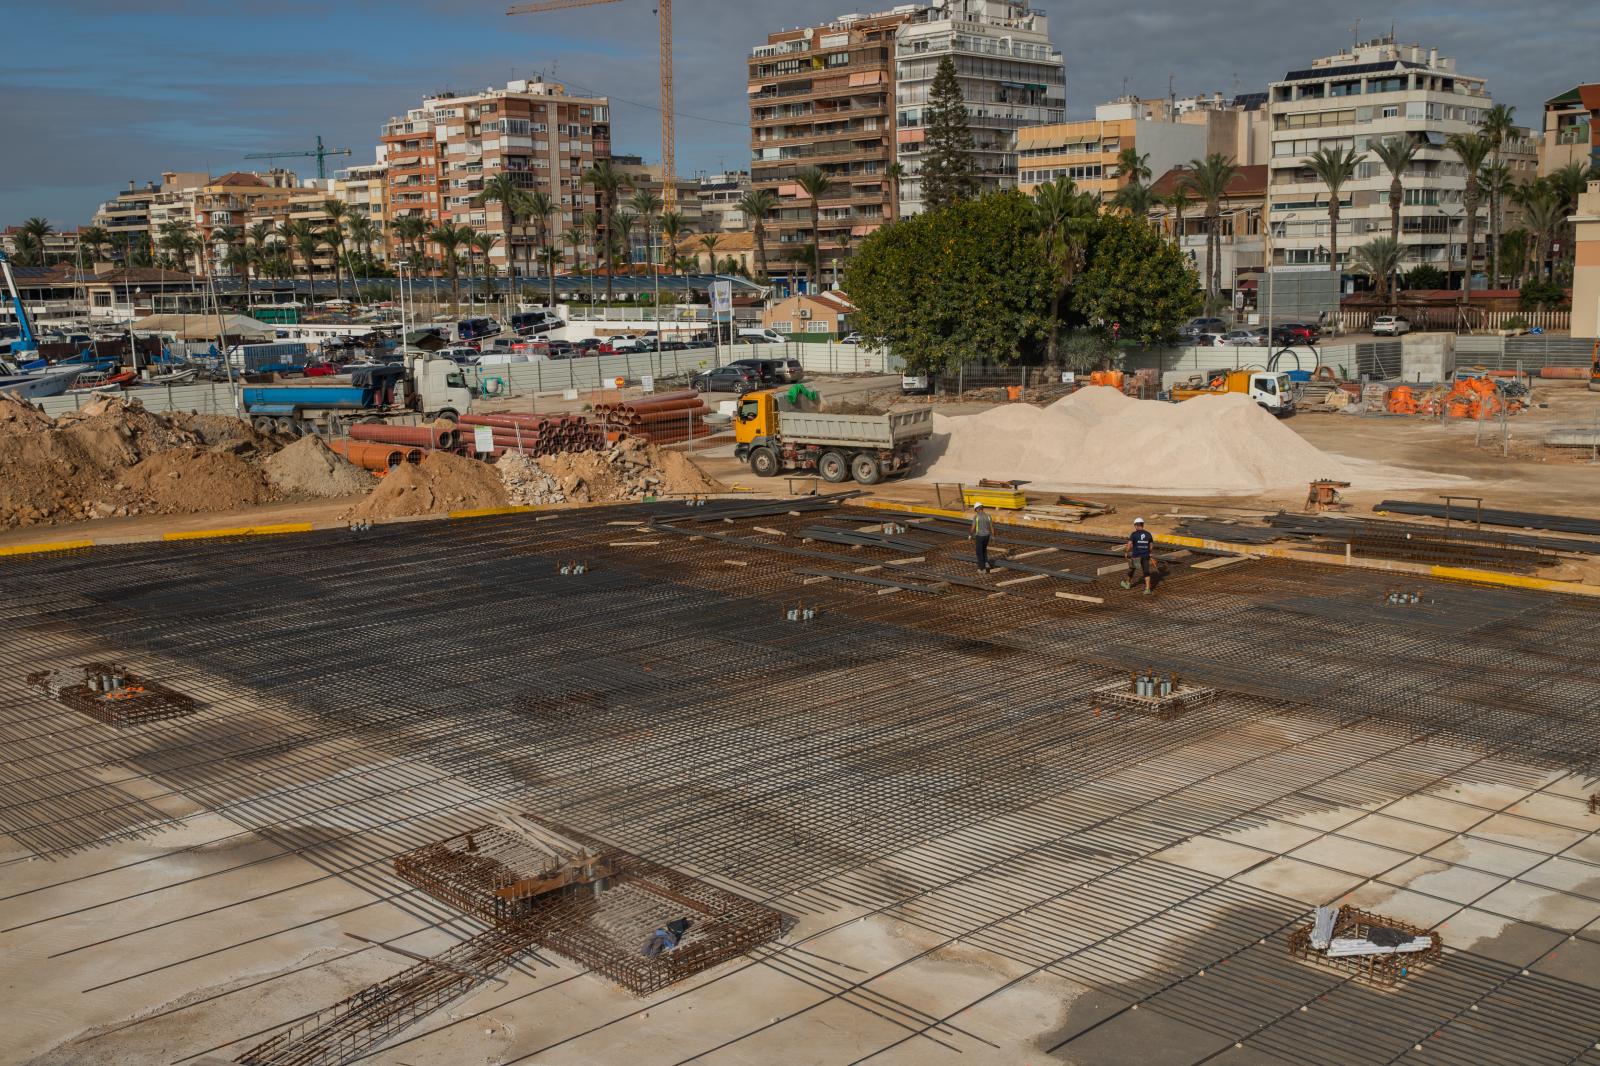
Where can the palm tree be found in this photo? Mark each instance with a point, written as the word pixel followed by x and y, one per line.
pixel 816 184
pixel 484 243
pixel 449 238
pixel 179 240
pixel 841 241
pixel 33 232
pixel 1544 211
pixel 1133 166
pixel 95 239
pixel 1378 259
pixel 1472 149
pixel 1515 248
pixel 257 238
pixel 709 242
pixel 410 230
pixel 337 212
pixel 551 258
pixel 503 189
pixel 622 221
pixel 1495 181
pixel 1208 179
pixel 1569 183
pixel 467 236
pixel 646 206
pixel 607 182
pixel 895 172
pixel 1136 199
pixel 538 206
pixel 309 242
pixel 1333 167
pixel 756 204
pixel 363 232
pixel 1176 201
pixel 233 255
pixel 1063 215
pixel 574 239
pixel 1497 125
pixel 1396 154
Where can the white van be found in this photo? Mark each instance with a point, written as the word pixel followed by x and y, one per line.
pixel 760 336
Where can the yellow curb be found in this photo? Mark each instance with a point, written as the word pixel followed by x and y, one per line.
pixel 53 546
pixel 240 531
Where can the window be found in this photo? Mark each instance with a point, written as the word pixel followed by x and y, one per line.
pixel 748 410
pixel 1389 112
pixel 782 327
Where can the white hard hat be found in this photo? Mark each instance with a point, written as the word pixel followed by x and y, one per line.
pixel 977 505
pixel 1138 521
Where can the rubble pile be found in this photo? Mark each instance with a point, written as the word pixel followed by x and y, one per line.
pixel 629 469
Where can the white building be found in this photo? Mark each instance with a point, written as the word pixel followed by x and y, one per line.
pixel 1011 76
pixel 1358 99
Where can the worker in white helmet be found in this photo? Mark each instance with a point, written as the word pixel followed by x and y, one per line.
pixel 1137 550
pixel 982 530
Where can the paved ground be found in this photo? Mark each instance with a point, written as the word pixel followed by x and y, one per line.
pixel 983 864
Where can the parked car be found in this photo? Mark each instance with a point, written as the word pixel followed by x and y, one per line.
pixel 851 338
pixel 1205 340
pixel 1390 325
pixel 1249 338
pixel 735 379
pixel 767 371
pixel 760 336
pixel 1202 325
pixel 1296 332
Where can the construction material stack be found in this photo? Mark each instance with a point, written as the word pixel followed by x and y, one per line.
pixel 533 434
pixel 670 418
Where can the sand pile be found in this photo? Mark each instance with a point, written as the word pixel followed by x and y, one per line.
pixel 1099 439
pixel 441 483
pixel 194 479
pixel 631 469
pixel 308 468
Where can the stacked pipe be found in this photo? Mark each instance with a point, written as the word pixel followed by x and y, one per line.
pixel 665 419
pixel 437 435
pixel 532 434
pixel 375 455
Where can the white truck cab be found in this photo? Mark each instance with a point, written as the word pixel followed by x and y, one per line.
pixel 441 387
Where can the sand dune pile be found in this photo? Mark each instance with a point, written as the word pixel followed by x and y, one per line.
pixel 309 468
pixel 1099 439
pixel 441 483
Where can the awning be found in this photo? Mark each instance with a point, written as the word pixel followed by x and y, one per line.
pixel 1435 137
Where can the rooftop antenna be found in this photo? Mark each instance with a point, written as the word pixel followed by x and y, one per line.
pixel 1172 100
pixel 1355 34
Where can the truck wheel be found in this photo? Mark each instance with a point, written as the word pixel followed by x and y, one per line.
pixel 833 467
pixel 447 415
pixel 865 469
pixel 764 462
pixel 287 426
pixel 262 423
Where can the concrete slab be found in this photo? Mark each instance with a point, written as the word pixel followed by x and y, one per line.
pixel 1527 833
pixel 1268 834
pixel 1351 856
pixel 1502 939
pixel 1302 881
pixel 1560 910
pixel 1487 856
pixel 1435 878
pixel 1397 833
pixel 1571 811
pixel 1142 1038
pixel 1402 904
pixel 1436 810
pixel 1210 855
pixel 1576 960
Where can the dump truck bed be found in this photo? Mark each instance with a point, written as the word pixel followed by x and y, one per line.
pixel 856 431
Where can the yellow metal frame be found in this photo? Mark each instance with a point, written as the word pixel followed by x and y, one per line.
pixel 1006 499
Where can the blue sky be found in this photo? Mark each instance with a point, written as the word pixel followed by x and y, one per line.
pixel 98 93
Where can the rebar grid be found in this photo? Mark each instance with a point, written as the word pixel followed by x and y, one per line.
pixel 662 701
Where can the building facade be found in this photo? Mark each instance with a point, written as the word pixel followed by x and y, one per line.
pixel 1571 131
pixel 1240 241
pixel 127 217
pixel 440 155
pixel 1087 151
pixel 1586 265
pixel 1011 77
pixel 823 96
pixel 1358 99
pixel 719 196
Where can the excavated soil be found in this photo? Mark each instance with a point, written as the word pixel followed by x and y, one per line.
pixel 308 468
pixel 191 480
pixel 441 483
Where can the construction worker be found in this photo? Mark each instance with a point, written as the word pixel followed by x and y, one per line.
pixel 1137 551
pixel 982 530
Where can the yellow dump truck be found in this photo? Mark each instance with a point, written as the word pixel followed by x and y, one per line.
pixel 773 438
pixel 1271 389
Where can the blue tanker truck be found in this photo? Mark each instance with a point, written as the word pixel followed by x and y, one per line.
pixel 422 385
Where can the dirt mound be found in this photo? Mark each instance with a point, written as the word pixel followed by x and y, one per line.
pixel 83 464
pixel 308 468
pixel 628 470
pixel 1099 439
pixel 192 480
pixel 442 482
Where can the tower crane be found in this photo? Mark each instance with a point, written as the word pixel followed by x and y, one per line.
pixel 669 168
pixel 319 153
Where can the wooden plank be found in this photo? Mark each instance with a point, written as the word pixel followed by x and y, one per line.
pixel 736 562
pixel 770 531
pixel 1035 551
pixel 906 562
pixel 1020 580
pixel 1075 596
pixel 1219 561
pixel 1113 568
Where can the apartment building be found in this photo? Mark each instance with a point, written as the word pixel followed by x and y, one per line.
pixel 1011 77
pixel 1571 129
pixel 1356 99
pixel 235 201
pixel 127 217
pixel 648 177
pixel 1586 264
pixel 719 196
pixel 441 154
pixel 1240 240
pixel 362 190
pixel 1087 151
pixel 823 96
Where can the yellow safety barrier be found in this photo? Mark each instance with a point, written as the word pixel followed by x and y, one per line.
pixel 52 546
pixel 240 531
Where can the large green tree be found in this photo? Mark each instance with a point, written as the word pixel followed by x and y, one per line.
pixel 1134 280
pixel 961 284
pixel 949 172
